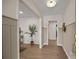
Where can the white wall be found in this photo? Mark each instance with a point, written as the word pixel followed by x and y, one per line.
pixel 59 38
pixel 69 35
pixel 57 18
pixel 24 24
pixel 69 15
pixel 40 32
pixel 10 8
pixel 69 39
pixel 45 36
pixel 51 30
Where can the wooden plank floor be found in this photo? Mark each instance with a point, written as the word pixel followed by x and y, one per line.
pixel 51 51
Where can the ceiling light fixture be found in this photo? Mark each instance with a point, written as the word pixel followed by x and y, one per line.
pixel 21 12
pixel 51 3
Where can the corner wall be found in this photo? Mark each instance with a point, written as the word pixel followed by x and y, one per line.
pixel 10 8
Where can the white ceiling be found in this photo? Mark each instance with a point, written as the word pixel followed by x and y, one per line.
pixel 27 12
pixel 45 11
pixel 58 9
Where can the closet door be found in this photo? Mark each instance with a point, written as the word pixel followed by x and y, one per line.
pixel 6 36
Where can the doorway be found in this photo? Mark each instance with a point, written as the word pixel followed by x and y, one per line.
pixel 52 33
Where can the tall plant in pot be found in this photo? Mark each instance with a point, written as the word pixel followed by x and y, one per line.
pixel 33 30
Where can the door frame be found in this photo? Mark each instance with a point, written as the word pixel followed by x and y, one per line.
pixel 48 30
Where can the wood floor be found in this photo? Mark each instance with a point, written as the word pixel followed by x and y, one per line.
pixel 51 51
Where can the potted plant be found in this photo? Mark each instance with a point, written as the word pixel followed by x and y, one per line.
pixel 32 29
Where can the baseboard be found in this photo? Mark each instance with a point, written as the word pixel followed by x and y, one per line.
pixel 40 46
pixel 59 44
pixel 29 43
pixel 45 44
pixel 66 52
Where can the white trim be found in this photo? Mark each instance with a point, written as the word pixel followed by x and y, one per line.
pixel 70 23
pixel 47 33
pixel 40 46
pixel 59 44
pixel 45 44
pixel 18 54
pixel 29 43
pixel 40 33
pixel 66 52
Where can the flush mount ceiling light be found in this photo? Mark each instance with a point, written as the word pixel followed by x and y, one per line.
pixel 21 12
pixel 51 3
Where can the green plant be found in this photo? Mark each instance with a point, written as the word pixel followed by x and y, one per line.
pixel 32 29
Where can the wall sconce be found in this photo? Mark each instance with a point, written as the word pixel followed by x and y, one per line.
pixel 64 27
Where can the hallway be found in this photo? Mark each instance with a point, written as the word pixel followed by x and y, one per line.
pixel 33 17
pixel 50 51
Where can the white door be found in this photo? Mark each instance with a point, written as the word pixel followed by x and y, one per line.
pixel 52 30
